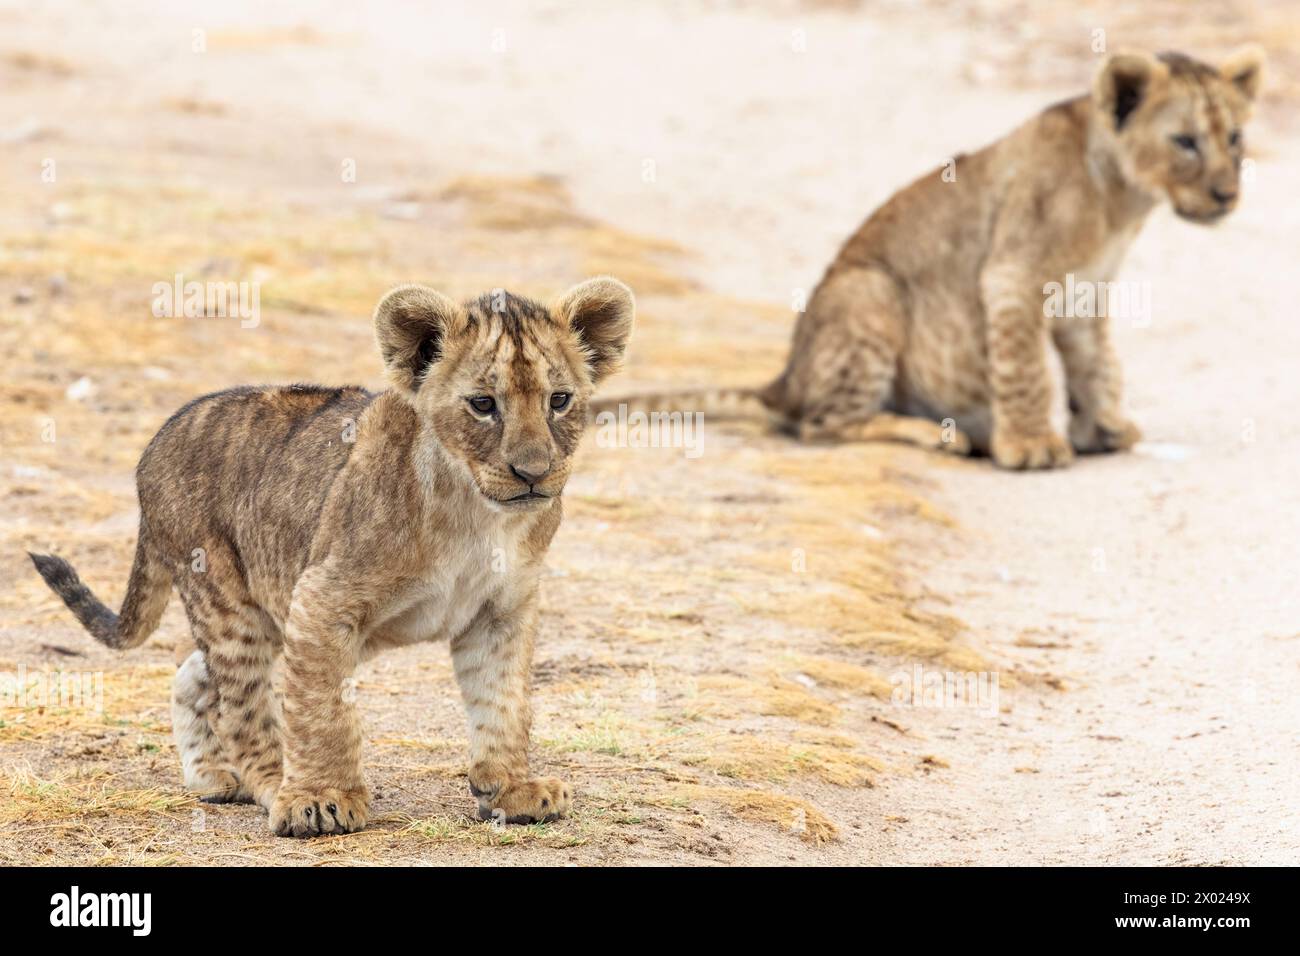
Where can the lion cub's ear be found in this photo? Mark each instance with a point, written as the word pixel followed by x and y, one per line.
pixel 600 311
pixel 1125 79
pixel 411 326
pixel 1244 69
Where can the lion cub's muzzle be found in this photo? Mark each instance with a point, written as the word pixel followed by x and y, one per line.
pixel 1211 205
pixel 534 490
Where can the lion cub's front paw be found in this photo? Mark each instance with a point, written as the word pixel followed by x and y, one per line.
pixel 1090 436
pixel 1019 452
pixel 539 800
pixel 309 812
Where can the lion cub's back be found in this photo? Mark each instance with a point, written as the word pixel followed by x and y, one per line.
pixel 253 454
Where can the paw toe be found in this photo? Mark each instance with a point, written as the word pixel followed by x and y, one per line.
pixel 309 815
pixel 1028 454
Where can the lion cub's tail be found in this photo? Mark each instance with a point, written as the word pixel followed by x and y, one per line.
pixel 147 593
pixel 715 402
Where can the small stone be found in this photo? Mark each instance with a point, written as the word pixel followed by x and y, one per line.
pixel 407 211
pixel 1162 451
pixel 80 390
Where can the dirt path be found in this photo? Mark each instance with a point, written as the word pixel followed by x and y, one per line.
pixel 1161 586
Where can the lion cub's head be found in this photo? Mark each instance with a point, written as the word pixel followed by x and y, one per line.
pixel 504 381
pixel 1177 125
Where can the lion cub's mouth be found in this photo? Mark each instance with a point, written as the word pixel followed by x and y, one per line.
pixel 1204 217
pixel 528 497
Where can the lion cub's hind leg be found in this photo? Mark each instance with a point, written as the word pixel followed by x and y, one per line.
pixel 203 760
pixel 239 645
pixel 856 327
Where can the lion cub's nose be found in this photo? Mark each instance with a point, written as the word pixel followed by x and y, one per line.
pixel 531 470
pixel 1223 196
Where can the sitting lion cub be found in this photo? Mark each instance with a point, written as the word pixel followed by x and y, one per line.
pixel 329 523
pixel 937 307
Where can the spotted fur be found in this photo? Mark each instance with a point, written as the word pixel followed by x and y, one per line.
pixel 318 526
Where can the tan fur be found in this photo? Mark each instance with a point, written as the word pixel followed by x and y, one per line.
pixel 933 312
pixel 325 525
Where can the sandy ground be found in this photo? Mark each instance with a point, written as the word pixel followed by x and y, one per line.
pixel 710 705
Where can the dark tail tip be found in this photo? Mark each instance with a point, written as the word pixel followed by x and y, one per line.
pixel 58 574
pixel 63 581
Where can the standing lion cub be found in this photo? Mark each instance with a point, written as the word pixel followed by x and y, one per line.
pixel 333 523
pixel 935 308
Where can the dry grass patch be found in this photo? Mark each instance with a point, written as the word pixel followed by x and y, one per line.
pixel 33 799
pixel 776 697
pixel 136 698
pixel 757 758
pixel 29 61
pixel 511 203
pixel 844 676
pixel 760 806
pixel 446 828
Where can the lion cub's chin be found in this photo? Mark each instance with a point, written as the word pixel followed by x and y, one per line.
pixel 519 505
pixel 1202 218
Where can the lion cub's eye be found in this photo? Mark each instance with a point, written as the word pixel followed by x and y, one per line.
pixel 560 400
pixel 483 404
pixel 1234 138
pixel 1185 142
